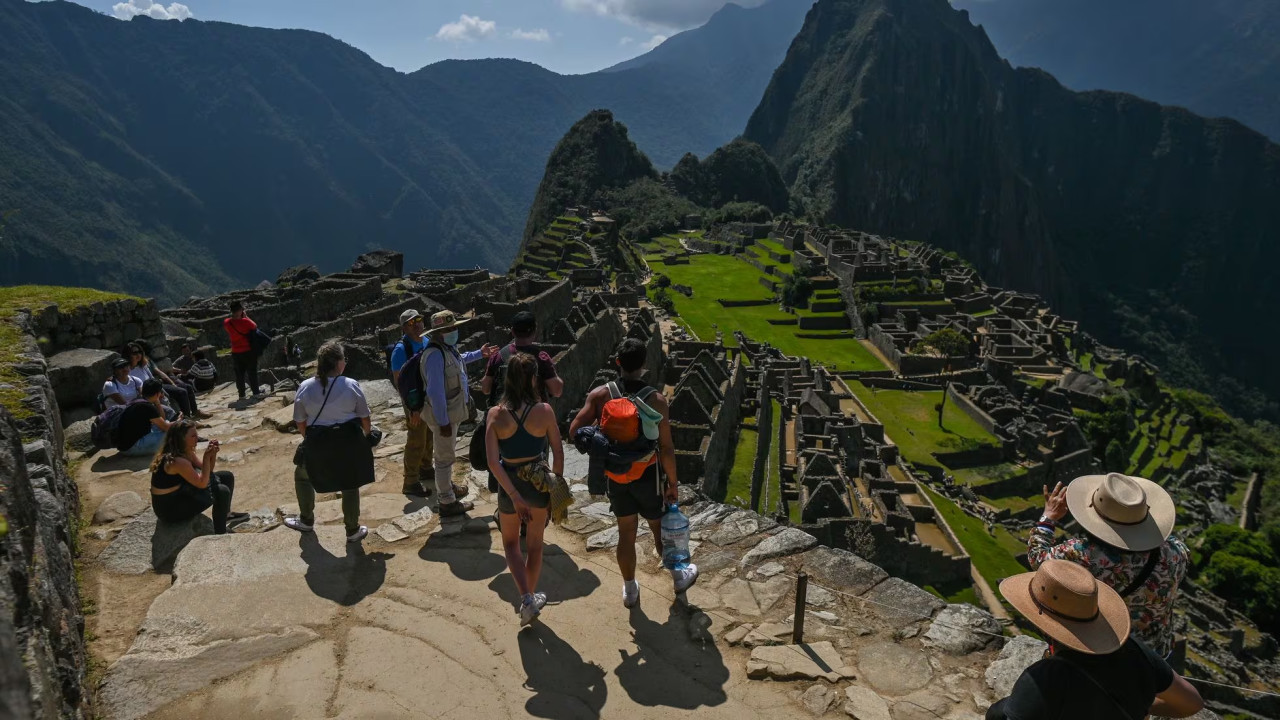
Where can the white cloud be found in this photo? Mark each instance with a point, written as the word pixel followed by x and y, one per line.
pixel 467 29
pixel 653 42
pixel 539 35
pixel 626 41
pixel 133 8
pixel 656 14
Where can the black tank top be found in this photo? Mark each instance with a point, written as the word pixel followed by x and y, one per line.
pixel 162 480
pixel 631 387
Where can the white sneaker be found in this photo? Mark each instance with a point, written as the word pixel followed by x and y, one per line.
pixel 685 577
pixel 630 593
pixel 540 599
pixel 358 535
pixel 296 523
pixel 529 610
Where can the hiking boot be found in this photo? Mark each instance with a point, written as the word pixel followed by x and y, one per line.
pixel 540 600
pixel 528 610
pixel 457 507
pixel 201 415
pixel 237 517
pixel 630 593
pixel 358 535
pixel 461 491
pixel 685 577
pixel 296 523
pixel 417 489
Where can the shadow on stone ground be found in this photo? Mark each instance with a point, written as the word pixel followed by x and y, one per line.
pixel 344 580
pixel 468 555
pixel 670 655
pixel 562 580
pixel 566 685
pixel 110 463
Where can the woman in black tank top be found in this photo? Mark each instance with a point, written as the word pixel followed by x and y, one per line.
pixel 516 432
pixel 183 485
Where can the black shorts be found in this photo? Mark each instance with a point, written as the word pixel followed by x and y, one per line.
pixel 536 498
pixel 642 496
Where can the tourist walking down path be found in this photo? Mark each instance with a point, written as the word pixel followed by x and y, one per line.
pixel 1093 668
pixel 1126 543
pixel 638 491
pixel 336 454
pixel 447 403
pixel 243 359
pixel 517 433
pixel 419 463
pixel 184 485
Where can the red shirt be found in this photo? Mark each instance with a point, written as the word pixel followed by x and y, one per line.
pixel 239 330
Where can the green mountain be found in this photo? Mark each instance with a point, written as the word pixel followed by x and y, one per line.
pixel 1215 57
pixel 1154 226
pixel 170 159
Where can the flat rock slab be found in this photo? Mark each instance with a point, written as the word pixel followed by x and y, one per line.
pixel 236 600
pixel 862 703
pixel 609 538
pixel 787 542
pixel 120 505
pixel 1018 654
pixel 816 661
pixel 961 629
pixel 901 603
pixel 894 669
pixel 146 544
pixel 78 375
pixel 280 419
pixel 842 570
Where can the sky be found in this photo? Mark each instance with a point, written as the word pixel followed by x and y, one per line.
pixel 567 36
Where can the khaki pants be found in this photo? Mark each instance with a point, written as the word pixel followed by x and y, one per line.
pixel 418 453
pixel 444 449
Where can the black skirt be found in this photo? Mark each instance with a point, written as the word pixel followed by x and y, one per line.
pixel 338 457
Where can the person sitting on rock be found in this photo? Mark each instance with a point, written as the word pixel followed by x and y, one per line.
pixel 181 394
pixel 184 368
pixel 518 431
pixel 447 403
pixel 142 424
pixel 333 418
pixel 419 462
pixel 184 485
pixel 631 495
pixel 1093 668
pixel 122 388
pixel 1126 542
pixel 243 358
pixel 203 374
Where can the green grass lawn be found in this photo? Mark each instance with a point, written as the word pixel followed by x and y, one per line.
pixel 911 421
pixel 738 489
pixel 726 276
pixel 983 475
pixel 993 556
pixel 956 593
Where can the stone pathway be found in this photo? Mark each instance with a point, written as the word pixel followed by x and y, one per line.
pixel 419 620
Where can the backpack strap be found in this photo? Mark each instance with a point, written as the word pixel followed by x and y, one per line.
pixel 645 392
pixel 614 391
pixel 1153 559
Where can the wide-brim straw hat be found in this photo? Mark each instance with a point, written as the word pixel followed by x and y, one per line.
pixel 1130 513
pixel 1068 604
pixel 442 321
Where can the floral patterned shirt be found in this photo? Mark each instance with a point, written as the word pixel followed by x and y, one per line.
pixel 1150 606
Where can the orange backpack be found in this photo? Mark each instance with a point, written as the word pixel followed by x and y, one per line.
pixel 620 422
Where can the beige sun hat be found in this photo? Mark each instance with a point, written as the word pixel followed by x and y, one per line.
pixel 1068 604
pixel 1130 513
pixel 443 320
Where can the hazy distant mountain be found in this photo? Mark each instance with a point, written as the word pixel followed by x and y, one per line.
pixel 1155 226
pixel 171 158
pixel 1216 57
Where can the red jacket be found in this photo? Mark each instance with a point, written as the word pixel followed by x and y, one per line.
pixel 239 331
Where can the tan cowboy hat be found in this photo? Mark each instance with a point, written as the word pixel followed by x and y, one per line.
pixel 1130 513
pixel 443 320
pixel 1066 602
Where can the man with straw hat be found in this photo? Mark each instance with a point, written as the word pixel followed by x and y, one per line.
pixel 1126 544
pixel 1093 668
pixel 447 403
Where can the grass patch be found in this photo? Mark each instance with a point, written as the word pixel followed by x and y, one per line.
pixel 738 490
pixel 957 593
pixel 993 556
pixel 910 418
pixel 1015 504
pixel 33 297
pixel 727 276
pixel 986 474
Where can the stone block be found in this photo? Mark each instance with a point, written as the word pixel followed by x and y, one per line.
pixel 962 628
pixel 787 542
pixel 894 670
pixel 120 505
pixel 1018 654
pixel 387 263
pixel 862 703
pixel 901 603
pixel 816 661
pixel 842 569
pixel 297 274
pixel 77 375
pixel 79 436
pixel 146 545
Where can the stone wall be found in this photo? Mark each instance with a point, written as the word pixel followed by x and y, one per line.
pixel 99 325
pixel 577 366
pixel 42 654
pixel 760 470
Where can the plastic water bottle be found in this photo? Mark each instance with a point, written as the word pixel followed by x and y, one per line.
pixel 675 539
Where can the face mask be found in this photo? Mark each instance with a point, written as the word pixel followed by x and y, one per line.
pixel 451 338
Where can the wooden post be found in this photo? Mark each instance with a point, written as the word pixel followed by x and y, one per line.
pixel 797 626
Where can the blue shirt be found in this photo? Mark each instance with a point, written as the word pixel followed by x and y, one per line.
pixel 399 357
pixel 435 390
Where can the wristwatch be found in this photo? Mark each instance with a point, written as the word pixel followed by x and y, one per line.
pixel 1045 519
